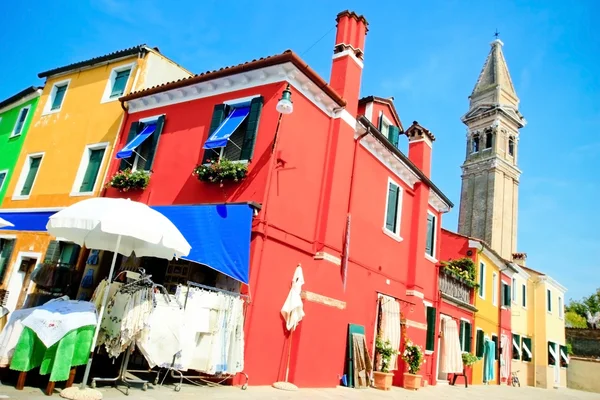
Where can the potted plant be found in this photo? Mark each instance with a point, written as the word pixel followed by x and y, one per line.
pixel 383 377
pixel 469 359
pixel 413 356
pixel 220 171
pixel 127 180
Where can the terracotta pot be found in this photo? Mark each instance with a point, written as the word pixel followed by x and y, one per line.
pixel 383 380
pixel 412 382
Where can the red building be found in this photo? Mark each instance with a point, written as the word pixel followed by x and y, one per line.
pixel 331 192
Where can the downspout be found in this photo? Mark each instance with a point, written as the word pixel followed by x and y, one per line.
pixel 356 143
pixel 500 328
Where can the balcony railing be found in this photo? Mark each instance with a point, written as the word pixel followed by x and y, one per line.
pixel 453 287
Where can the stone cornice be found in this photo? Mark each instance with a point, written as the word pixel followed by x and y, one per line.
pixel 490 163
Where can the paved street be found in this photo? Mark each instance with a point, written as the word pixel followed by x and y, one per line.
pixel 227 393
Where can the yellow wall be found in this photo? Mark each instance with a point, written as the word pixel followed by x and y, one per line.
pixel 523 325
pixel 486 317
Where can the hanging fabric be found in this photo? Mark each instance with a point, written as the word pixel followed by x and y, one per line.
pixel 489 351
pixel 11 333
pixel 451 354
pixel 504 357
pixel 389 326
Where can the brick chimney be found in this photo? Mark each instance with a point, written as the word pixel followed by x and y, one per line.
pixel 420 142
pixel 520 259
pixel 348 55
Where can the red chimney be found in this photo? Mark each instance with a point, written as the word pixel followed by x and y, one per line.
pixel 420 141
pixel 348 54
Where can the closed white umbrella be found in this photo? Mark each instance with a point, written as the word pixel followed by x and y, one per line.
pixel 4 223
pixel 292 312
pixel 121 226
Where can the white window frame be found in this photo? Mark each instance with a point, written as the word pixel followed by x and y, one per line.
pixel 508 145
pixel 561 312
pixel 513 290
pixel 83 165
pixel 5 172
pixel 111 82
pixel 384 122
pixel 14 131
pixel 48 105
pixel 549 301
pixel 23 176
pixel 481 276
pixel 394 235
pixel 495 289
pixel 434 241
pixel 136 159
pixel 524 294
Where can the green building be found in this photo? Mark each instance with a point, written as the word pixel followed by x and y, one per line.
pixel 16 114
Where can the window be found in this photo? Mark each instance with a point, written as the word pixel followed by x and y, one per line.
pixel 475 143
pixel 430 241
pixel 516 347
pixel 489 139
pixel 233 130
pixel 479 343
pixel 6 250
pixel 496 348
pixel 506 295
pixel 511 146
pixel 495 289
pixel 482 280
pixel 116 84
pixel 64 253
pixel 552 356
pixel 142 142
pixel 514 290
pixel 120 82
pixel 57 96
pixel 430 338
pixel 28 175
pixel 89 168
pixel 393 209
pixel 465 336
pixel 560 308
pixel 564 357
pixel 524 295
pixel 527 353
pixel 3 175
pixel 20 124
pixel 549 300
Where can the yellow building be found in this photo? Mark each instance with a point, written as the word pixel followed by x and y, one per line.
pixel 492 319
pixel 66 153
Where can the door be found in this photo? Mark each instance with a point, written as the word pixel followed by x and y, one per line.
pixel 27 266
pixel 442 377
pixel 557 365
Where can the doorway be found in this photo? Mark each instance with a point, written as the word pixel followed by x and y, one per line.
pixel 442 377
pixel 20 282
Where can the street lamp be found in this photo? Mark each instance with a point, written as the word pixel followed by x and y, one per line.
pixel 285 105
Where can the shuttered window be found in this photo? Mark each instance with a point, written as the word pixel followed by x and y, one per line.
pixel 2 178
pixel 516 347
pixel 506 295
pixel 430 339
pixel 142 157
pixel 34 165
pixel 91 172
pixel 6 250
pixel 392 212
pixel 20 121
pixel 527 349
pixel 496 347
pixel 479 344
pixel 120 82
pixel 465 336
pixel 59 95
pixel 430 242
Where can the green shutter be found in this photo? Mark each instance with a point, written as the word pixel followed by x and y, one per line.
pixel 394 135
pixel 562 362
pixel 69 253
pixel 431 317
pixel 91 172
pixel 517 339
pixel 430 234
pixel 468 337
pixel 461 335
pixel 59 95
pixel 120 82
pixel 2 178
pixel 479 344
pixel 219 113
pixel 524 355
pixel 392 207
pixel 252 128
pixel 160 123
pixel 380 122
pixel 507 295
pixel 52 252
pixel 34 164
pixel 6 250
pixel 496 347
pixel 128 162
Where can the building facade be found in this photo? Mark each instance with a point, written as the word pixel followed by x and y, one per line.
pixel 15 117
pixel 523 326
pixel 331 190
pixel 64 156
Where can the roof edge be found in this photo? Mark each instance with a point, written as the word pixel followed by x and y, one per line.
pixel 18 96
pixel 382 100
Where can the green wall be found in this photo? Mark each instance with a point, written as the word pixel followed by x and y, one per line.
pixel 11 147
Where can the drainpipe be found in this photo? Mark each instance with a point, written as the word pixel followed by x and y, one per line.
pixel 356 143
pixel 500 327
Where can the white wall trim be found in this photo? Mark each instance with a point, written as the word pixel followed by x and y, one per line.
pixel 21 101
pixel 479 275
pixel 241 99
pixel 47 107
pixel 427 141
pixel 415 293
pixel 437 203
pixel 111 81
pixel 13 133
pixel 427 303
pixel 83 165
pixel 369 111
pixel 322 255
pixel 14 292
pixel 352 55
pixel 494 289
pixel 23 176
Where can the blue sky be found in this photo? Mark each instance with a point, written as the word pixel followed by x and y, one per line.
pixel 427 54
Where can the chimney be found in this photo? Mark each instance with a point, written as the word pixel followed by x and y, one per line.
pixel 420 141
pixel 520 259
pixel 348 55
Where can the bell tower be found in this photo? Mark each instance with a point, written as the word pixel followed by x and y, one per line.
pixel 490 175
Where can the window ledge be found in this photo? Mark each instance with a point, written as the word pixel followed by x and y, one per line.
pixel 51 112
pixel 428 352
pixel 111 99
pixel 81 194
pixel 233 161
pixel 20 197
pixel 14 136
pixel 433 260
pixel 397 238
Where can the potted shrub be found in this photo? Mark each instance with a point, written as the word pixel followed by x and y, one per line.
pixel 469 359
pixel 383 377
pixel 413 356
pixel 220 171
pixel 127 180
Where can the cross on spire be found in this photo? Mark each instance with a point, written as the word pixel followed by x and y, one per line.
pixel 496 33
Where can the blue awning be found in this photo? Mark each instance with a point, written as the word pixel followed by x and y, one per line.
pixel 221 135
pixel 32 221
pixel 219 235
pixel 127 151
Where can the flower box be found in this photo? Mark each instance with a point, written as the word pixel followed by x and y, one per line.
pixel 127 180
pixel 221 171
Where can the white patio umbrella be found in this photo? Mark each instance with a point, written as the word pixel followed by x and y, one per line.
pixel 293 312
pixel 121 226
pixel 4 223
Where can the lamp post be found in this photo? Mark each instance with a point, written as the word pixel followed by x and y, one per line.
pixel 285 105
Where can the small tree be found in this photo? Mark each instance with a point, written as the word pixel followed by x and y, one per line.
pixel 385 351
pixel 413 356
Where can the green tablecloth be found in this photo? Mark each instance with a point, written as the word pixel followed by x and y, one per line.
pixel 71 351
